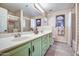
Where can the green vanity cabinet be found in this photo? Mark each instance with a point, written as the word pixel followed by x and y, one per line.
pixel 44 44
pixel 32 48
pixel 36 47
pixel 24 50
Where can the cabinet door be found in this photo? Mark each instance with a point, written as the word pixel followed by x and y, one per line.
pixel 44 44
pixel 36 47
pixel 48 42
pixel 24 50
pixel 50 38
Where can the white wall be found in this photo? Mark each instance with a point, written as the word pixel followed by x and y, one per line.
pixel 69 28
pixel 52 19
pixel 78 29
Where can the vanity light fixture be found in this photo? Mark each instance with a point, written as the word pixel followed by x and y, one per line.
pixel 37 6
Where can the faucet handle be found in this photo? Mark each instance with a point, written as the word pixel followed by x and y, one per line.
pixel 19 34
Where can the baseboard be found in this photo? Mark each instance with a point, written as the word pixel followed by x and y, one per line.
pixel 60 42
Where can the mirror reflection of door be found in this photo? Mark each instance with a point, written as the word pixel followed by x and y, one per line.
pixel 60 24
pixel 13 26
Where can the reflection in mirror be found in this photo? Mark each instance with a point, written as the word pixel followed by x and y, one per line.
pixel 13 24
pixel 26 24
pixel 3 20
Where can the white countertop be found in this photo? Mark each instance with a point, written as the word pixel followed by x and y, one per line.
pixel 7 43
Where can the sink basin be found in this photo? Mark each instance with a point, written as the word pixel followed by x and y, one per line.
pixel 4 42
pixel 10 41
pixel 22 37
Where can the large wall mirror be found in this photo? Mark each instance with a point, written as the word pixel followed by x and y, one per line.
pixel 9 21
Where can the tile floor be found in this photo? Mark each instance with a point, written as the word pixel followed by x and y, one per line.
pixel 60 49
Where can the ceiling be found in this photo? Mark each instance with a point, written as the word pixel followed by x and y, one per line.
pixel 30 11
pixel 26 7
pixel 52 7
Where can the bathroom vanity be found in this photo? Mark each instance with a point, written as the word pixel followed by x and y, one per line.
pixel 27 45
pixel 14 43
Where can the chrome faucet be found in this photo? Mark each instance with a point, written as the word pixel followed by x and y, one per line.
pixel 17 35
